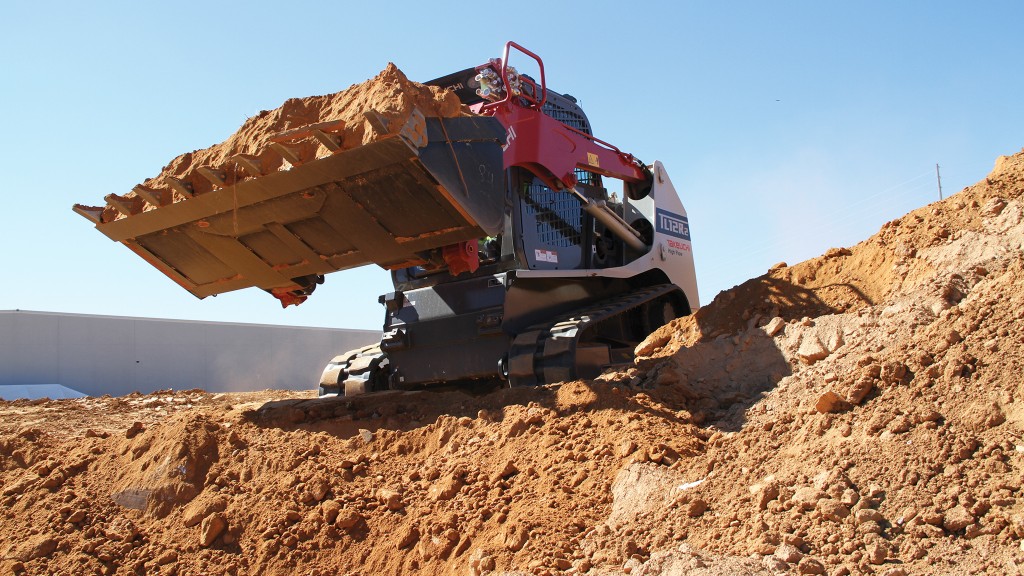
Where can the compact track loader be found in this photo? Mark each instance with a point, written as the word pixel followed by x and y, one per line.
pixel 510 256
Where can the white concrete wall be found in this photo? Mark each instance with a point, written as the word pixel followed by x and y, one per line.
pixel 117 355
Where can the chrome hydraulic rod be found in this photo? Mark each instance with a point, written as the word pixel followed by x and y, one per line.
pixel 599 209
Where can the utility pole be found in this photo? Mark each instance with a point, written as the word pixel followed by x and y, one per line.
pixel 938 177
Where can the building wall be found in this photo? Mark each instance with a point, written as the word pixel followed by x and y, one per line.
pixel 117 355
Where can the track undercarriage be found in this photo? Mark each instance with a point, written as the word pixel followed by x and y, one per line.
pixel 578 344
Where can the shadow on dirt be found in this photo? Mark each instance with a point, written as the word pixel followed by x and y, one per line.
pixel 730 362
pixel 766 297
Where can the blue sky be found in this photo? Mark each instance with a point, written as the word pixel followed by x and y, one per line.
pixel 789 127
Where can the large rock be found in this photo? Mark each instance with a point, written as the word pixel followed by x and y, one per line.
pixel 957 518
pixel 811 348
pixel 830 402
pixel 212 527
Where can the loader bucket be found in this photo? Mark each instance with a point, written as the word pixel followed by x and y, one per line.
pixel 433 183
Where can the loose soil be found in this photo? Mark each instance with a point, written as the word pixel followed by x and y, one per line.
pixel 857 413
pixel 363 113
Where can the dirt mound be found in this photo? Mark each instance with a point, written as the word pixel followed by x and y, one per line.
pixel 858 413
pixel 363 112
pixel 904 255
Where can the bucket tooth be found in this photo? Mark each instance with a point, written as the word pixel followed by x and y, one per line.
pixel 329 127
pixel 180 186
pixel 330 141
pixel 91 213
pixel 215 176
pixel 123 204
pixel 289 153
pixel 415 129
pixel 379 123
pixel 249 163
pixel 152 196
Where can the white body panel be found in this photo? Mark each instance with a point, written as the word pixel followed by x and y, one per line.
pixel 671 250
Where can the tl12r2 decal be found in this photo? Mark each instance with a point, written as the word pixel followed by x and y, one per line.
pixel 672 224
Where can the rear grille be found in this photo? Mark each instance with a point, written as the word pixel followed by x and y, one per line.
pixel 558 216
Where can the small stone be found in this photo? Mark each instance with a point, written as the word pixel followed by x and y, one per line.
pixel 212 527
pixel 347 518
pixel 627 448
pixel 44 468
pixel 832 510
pixel 810 565
pixel 53 481
pixel 807 497
pixel 391 499
pixel 957 518
pixel 167 557
pixel 696 508
pixel 994 206
pixel 811 349
pixel 860 390
pixel 446 489
pixel 134 430
pixel 330 510
pixel 410 537
pixel 973 531
pixel 366 435
pixel 318 488
pixel 876 554
pixel 77 516
pixel 897 571
pixel 37 547
pixel 867 515
pixel 766 494
pixel 900 425
pixel 509 469
pixel 830 402
pixel 849 497
pixel 514 537
pixel 837 252
pixel 894 372
pixel 984 416
pixel 788 553
pixel 774 326
pixel 775 565
pixel 199 509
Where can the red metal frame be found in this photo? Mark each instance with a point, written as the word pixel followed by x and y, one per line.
pixel 546 147
pixel 461 257
pixel 538 104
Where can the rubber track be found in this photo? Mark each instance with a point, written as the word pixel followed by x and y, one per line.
pixel 359 369
pixel 546 353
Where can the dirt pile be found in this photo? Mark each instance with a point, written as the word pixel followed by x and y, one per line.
pixel 361 114
pixel 858 413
